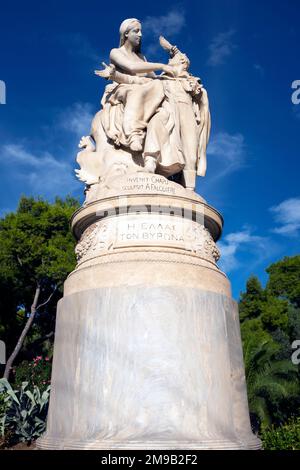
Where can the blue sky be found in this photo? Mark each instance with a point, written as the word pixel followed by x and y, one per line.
pixel 246 53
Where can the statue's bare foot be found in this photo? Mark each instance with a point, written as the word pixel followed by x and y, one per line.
pixel 136 143
pixel 136 146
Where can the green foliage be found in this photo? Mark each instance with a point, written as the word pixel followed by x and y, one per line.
pixel 3 406
pixel 24 418
pixel 35 242
pixel 286 437
pixel 250 305
pixel 284 279
pixel 294 322
pixel 253 330
pixel 269 381
pixel 274 314
pixel 36 247
pixel 270 322
pixel 256 303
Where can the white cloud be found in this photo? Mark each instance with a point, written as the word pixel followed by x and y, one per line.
pixel 221 48
pixel 77 44
pixel 230 151
pixel 287 215
pixel 48 169
pixel 49 172
pixel 77 119
pixel 235 242
pixel 43 174
pixel 166 25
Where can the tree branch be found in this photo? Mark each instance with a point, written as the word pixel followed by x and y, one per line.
pixel 48 300
pixel 26 328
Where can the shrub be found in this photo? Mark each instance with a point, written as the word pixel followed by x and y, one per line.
pixel 2 414
pixel 25 412
pixel 286 437
pixel 36 372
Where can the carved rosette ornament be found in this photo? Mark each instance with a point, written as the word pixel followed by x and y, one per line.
pixel 203 244
pixel 94 240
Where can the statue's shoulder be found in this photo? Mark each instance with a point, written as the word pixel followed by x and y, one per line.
pixel 116 52
pixel 118 57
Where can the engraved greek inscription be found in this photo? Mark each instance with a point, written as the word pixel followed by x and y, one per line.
pixel 130 236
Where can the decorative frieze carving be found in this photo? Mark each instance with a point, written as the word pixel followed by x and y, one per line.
pixel 153 230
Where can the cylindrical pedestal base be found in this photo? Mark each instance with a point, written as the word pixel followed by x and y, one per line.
pixel 147 348
pixel 150 368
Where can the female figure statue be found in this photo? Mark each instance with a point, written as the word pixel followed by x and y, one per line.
pixel 137 93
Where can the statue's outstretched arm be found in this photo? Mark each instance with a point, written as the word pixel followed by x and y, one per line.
pixel 110 73
pixel 119 60
pixel 172 50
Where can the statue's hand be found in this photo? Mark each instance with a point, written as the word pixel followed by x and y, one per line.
pixel 107 72
pixel 169 70
pixel 168 46
pixel 174 50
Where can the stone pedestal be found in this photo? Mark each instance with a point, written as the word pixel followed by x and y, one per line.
pixel 147 347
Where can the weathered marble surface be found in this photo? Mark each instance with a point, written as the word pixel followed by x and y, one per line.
pixel 148 367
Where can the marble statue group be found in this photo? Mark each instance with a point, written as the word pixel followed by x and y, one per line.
pixel 151 123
